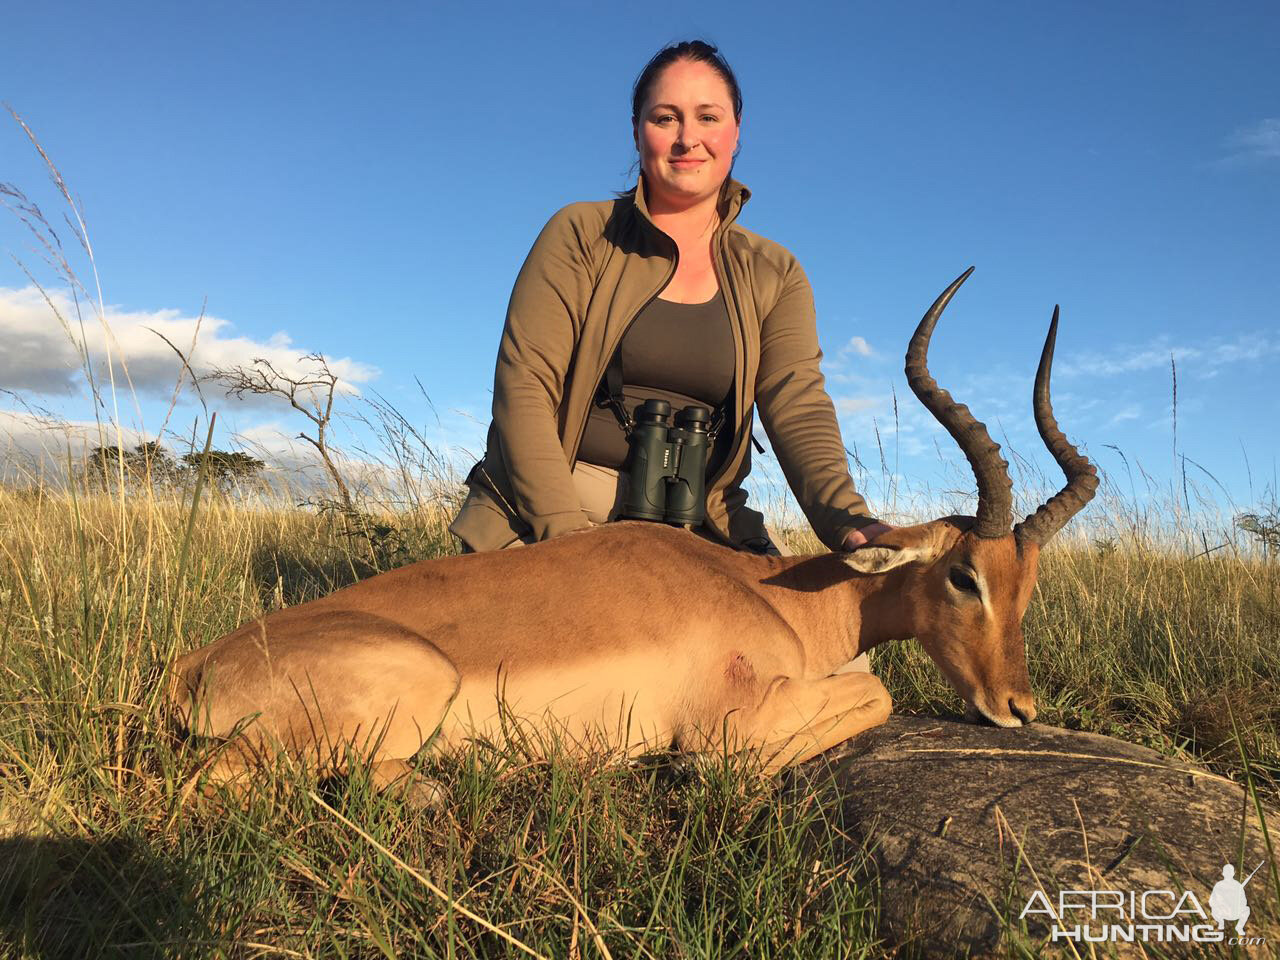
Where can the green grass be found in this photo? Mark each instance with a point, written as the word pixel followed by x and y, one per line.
pixel 98 853
pixel 97 850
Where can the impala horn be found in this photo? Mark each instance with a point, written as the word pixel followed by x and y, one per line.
pixel 1082 476
pixel 995 490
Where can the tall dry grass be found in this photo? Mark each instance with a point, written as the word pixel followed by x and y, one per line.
pixel 1135 640
pixel 98 850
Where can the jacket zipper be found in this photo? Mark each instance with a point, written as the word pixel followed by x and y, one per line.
pixel 738 387
pixel 608 354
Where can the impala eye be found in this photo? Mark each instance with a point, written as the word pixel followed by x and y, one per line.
pixel 962 581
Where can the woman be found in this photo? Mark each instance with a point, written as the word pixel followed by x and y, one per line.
pixel 693 307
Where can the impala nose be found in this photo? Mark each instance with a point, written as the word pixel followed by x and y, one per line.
pixel 1023 707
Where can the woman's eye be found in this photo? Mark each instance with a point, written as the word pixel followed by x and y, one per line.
pixel 962 581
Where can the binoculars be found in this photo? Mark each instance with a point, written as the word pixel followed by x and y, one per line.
pixel 667 464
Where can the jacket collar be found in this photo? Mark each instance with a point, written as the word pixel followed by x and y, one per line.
pixel 733 196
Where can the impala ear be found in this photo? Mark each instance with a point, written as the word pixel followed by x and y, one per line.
pixel 881 558
pixel 921 543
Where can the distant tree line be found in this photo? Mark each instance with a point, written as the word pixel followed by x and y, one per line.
pixel 224 469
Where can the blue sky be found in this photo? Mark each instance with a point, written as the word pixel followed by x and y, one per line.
pixel 364 181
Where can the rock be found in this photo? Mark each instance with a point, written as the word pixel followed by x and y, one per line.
pixel 967 823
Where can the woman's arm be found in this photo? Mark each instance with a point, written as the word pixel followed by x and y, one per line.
pixel 543 321
pixel 800 419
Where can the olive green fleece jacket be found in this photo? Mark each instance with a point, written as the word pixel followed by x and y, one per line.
pixel 594 267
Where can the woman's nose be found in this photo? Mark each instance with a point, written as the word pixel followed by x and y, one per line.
pixel 687 138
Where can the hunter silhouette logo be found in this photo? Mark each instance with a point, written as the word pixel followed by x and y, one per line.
pixel 1159 916
pixel 1228 901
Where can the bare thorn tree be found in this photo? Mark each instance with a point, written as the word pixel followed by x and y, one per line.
pixel 312 396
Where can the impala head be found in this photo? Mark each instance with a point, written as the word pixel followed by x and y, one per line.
pixel 967 607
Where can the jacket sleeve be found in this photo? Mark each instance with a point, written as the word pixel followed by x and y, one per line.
pixel 543 320
pixel 799 417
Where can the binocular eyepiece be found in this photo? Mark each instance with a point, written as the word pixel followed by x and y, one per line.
pixel 667 464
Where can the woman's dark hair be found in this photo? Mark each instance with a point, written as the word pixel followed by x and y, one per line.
pixel 696 50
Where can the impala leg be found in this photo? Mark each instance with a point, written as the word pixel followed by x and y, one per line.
pixel 397 777
pixel 230 774
pixel 317 687
pixel 799 719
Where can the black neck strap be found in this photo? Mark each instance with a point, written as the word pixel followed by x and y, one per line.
pixel 609 394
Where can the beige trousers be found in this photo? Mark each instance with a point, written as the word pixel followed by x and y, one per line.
pixel 602 491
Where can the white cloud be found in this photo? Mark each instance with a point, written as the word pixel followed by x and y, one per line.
pixel 1125 359
pixel 41 356
pixel 276 443
pixel 855 346
pixel 1131 412
pixel 37 443
pixel 863 416
pixel 849 362
pixel 1258 141
pixel 42 360
pixel 1249 346
pixel 41 364
pixel 34 444
pixel 1156 354
pixel 858 403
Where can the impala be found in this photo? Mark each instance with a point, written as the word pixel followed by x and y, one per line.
pixel 637 635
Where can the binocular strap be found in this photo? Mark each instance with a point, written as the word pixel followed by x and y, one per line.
pixel 610 395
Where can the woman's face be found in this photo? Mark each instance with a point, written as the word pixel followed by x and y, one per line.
pixel 686 134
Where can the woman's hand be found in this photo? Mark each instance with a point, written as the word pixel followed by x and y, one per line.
pixel 857 538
